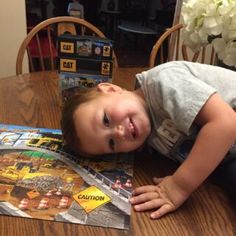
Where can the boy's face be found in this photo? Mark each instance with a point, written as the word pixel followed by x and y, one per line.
pixel 116 121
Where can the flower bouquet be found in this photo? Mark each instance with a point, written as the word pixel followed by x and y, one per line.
pixel 211 22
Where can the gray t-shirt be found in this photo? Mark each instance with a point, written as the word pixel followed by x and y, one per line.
pixel 175 92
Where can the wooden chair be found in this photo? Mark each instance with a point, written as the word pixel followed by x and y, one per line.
pixel 45 46
pixel 169 47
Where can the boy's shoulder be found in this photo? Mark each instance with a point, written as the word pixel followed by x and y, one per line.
pixel 165 70
pixel 191 67
pixel 185 72
pixel 181 64
pixel 179 69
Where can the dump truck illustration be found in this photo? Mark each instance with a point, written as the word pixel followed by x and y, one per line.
pixel 46 142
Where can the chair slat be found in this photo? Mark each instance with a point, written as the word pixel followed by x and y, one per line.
pixel 30 60
pixel 50 47
pixel 176 50
pixel 42 65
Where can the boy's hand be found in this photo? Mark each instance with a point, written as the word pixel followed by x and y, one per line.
pixel 164 197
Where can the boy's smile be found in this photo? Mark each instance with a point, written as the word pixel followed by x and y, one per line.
pixel 116 121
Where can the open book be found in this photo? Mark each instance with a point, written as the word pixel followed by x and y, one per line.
pixel 40 179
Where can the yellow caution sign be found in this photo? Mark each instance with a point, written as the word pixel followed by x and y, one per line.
pixel 91 198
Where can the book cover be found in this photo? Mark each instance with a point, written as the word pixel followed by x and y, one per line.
pixel 40 179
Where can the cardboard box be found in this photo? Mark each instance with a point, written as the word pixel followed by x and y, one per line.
pixel 85 66
pixel 83 62
pixel 75 46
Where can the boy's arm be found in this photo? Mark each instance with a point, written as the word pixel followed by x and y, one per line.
pixel 218 133
pixel 215 138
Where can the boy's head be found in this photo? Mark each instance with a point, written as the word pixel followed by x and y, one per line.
pixel 105 119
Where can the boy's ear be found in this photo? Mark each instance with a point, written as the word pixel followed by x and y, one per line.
pixel 108 88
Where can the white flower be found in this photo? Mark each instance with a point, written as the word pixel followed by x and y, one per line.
pixel 211 21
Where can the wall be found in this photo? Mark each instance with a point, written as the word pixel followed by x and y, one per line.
pixel 13 31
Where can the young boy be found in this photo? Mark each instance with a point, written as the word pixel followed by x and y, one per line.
pixel 182 109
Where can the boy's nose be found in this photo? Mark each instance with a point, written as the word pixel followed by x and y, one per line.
pixel 120 132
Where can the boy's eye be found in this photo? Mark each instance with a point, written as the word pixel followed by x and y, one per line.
pixel 106 121
pixel 112 144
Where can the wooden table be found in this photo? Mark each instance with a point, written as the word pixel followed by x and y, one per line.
pixel 32 99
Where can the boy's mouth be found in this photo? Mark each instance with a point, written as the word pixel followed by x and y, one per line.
pixel 132 128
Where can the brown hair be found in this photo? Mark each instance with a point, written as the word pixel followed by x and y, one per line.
pixel 71 139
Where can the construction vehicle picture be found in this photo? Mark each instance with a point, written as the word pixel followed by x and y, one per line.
pixel 52 144
pixel 17 171
pixel 89 83
pixel 9 138
pixel 82 82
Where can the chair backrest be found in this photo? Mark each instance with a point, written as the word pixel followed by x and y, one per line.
pixel 162 51
pixel 56 26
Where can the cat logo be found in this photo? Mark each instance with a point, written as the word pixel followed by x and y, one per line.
pixel 106 67
pixel 67 47
pixel 68 65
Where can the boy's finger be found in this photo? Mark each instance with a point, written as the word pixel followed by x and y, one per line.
pixel 149 205
pixel 157 180
pixel 143 189
pixel 145 197
pixel 163 210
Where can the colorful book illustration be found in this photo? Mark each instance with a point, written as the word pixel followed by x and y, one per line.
pixel 40 179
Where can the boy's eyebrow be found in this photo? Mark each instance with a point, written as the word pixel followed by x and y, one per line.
pixel 94 120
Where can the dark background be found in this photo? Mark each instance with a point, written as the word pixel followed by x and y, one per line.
pixel 131 49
